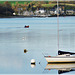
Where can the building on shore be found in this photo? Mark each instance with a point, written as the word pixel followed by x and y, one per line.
pixel 70 12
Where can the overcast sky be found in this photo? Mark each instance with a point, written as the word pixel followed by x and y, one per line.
pixel 36 0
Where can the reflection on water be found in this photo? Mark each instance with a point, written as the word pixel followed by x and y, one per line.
pixel 61 67
pixel 33 65
pixel 65 71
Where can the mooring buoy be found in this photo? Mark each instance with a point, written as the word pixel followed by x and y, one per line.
pixel 32 61
pixel 25 50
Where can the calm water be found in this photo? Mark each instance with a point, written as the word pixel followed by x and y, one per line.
pixel 39 39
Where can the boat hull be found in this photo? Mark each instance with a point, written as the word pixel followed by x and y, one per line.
pixel 60 66
pixel 26 27
pixel 60 59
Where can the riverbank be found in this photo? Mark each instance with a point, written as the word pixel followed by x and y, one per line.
pixel 17 16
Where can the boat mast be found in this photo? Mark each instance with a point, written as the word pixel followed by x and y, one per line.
pixel 58 23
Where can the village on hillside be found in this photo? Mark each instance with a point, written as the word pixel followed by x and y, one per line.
pixel 43 12
pixel 39 8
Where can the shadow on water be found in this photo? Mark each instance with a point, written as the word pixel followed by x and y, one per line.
pixel 61 67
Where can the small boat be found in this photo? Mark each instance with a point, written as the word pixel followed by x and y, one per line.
pixel 26 26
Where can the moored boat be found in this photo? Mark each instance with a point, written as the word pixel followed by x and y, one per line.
pixel 26 26
pixel 66 58
pixel 62 57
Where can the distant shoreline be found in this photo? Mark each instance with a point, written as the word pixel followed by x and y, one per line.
pixel 17 16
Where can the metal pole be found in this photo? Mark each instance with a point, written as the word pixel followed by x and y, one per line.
pixel 58 22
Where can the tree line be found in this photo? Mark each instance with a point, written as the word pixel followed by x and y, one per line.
pixel 9 7
pixel 6 9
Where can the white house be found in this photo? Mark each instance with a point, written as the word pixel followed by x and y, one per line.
pixel 70 12
pixel 36 12
pixel 59 10
pixel 26 13
pixel 14 13
pixel 41 10
pixel 52 11
pixel 19 11
pixel 31 13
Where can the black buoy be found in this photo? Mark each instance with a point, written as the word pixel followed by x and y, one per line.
pixel 25 50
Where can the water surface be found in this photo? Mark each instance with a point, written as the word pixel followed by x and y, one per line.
pixel 39 39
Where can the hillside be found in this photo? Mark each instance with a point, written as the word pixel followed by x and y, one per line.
pixel 8 7
pixel 45 3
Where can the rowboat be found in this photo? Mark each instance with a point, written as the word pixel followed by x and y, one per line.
pixel 26 26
